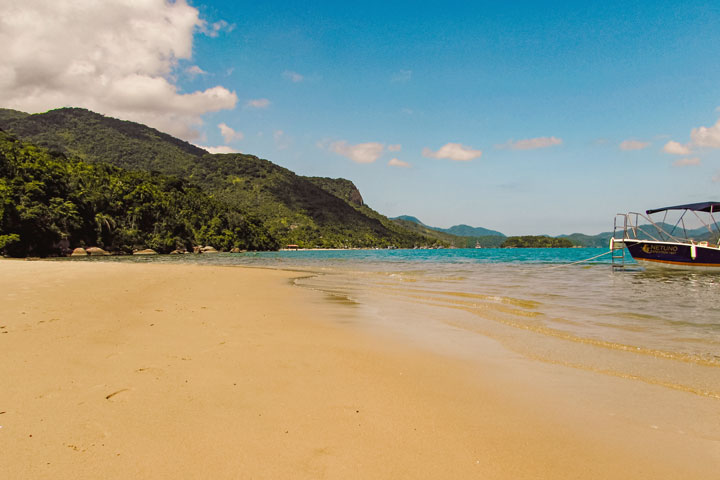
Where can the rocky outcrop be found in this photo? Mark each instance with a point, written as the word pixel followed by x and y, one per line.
pixel 147 251
pixel 79 252
pixel 341 188
pixel 96 251
pixel 209 249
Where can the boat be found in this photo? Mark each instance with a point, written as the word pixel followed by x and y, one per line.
pixel 654 242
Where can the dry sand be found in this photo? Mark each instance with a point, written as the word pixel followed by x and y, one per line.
pixel 113 370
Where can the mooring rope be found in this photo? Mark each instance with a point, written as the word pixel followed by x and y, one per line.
pixel 581 261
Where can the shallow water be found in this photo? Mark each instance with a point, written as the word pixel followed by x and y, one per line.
pixel 657 327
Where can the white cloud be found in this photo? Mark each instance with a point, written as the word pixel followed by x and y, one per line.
pixel 394 148
pixel 195 70
pixel 219 149
pixel 686 162
pixel 293 76
pixel 114 57
pixel 259 103
pixel 395 162
pixel 453 151
pixel 633 145
pixel 532 143
pixel 360 153
pixel 706 136
pixel 675 148
pixel 229 134
pixel 403 76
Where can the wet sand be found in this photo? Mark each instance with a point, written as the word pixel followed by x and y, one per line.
pixel 113 370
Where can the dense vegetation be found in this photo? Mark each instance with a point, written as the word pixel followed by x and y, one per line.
pixel 190 196
pixel 536 241
pixel 50 203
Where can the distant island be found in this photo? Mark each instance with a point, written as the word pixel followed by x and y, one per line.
pixel 536 241
pixel 464 236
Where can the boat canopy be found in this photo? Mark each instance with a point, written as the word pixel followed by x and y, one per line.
pixel 697 207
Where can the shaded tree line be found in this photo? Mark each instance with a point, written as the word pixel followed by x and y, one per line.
pixel 50 202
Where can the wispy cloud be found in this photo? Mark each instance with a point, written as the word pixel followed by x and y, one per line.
pixel 214 29
pixel 360 153
pixel 293 76
pixel 394 148
pixel 403 76
pixel 687 162
pixel 281 140
pixel 453 151
pixel 195 70
pixel 229 134
pixel 676 148
pixel 219 149
pixel 629 145
pixel 395 162
pixel 531 143
pixel 259 103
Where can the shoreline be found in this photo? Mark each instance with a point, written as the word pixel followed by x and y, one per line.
pixel 120 370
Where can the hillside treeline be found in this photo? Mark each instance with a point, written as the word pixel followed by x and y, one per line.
pixel 51 202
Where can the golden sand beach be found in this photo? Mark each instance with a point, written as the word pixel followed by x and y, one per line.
pixel 115 370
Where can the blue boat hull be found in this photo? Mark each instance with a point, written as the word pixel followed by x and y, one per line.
pixel 674 254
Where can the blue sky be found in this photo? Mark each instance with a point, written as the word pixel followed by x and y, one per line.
pixel 528 118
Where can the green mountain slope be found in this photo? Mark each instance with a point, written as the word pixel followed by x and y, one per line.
pixel 51 203
pixel 92 137
pixel 456 230
pixel 468 231
pixel 310 212
pixel 455 236
pixel 441 237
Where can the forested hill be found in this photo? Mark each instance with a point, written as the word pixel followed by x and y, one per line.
pixel 287 208
pixel 50 203
pixel 93 137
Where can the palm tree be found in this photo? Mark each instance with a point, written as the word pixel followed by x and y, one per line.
pixel 106 221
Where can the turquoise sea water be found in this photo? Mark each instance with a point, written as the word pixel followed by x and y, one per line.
pixel 659 327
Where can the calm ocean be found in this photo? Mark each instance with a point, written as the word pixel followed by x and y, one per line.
pixel 658 327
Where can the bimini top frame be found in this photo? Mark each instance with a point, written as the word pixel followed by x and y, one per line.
pixel 695 207
pixel 662 234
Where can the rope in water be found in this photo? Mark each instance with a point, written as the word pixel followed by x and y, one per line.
pixel 581 261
